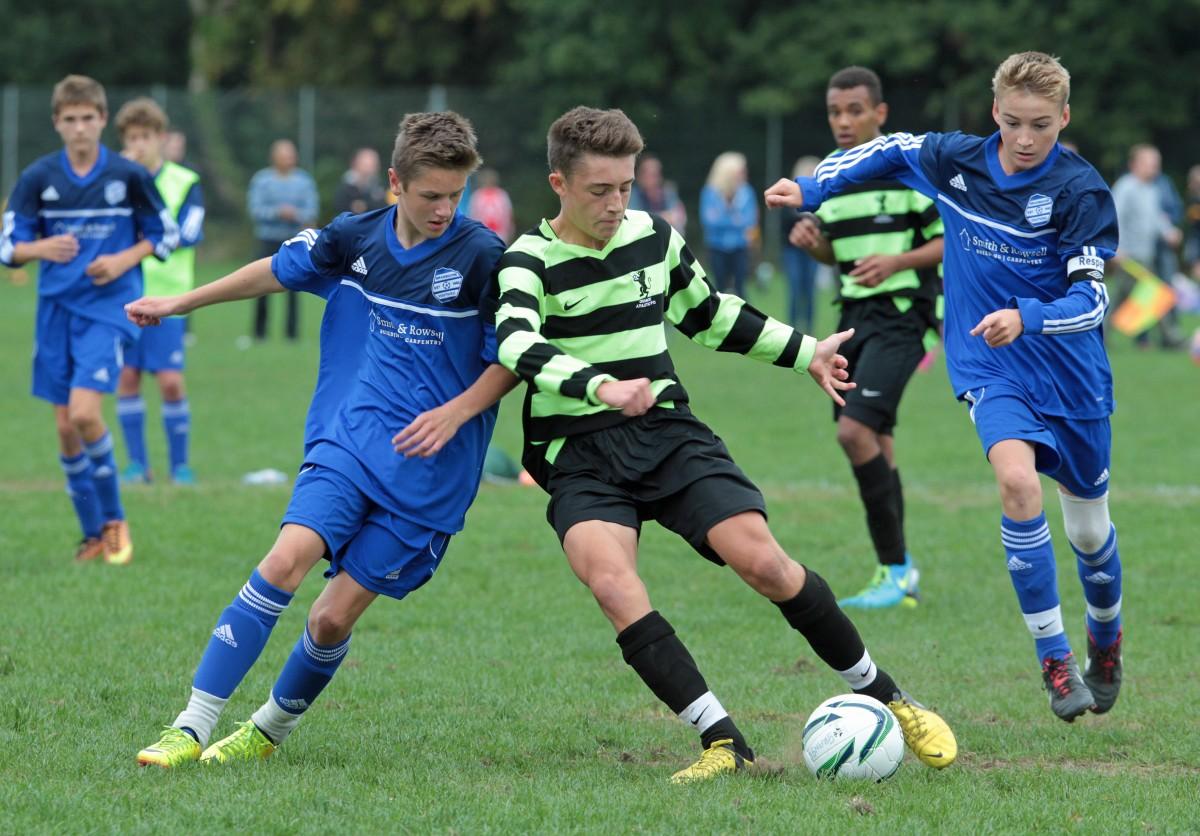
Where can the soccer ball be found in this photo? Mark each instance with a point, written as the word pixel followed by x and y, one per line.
pixel 853 736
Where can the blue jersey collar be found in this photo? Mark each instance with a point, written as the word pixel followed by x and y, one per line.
pixel 991 152
pixel 408 257
pixel 101 162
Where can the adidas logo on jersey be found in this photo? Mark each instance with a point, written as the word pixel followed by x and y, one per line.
pixel 359 266
pixel 100 375
pixel 225 633
pixel 1016 564
pixel 1099 577
pixel 50 193
pixel 958 182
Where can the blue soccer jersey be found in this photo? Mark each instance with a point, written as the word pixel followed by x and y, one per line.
pixel 1035 240
pixel 422 323
pixel 108 210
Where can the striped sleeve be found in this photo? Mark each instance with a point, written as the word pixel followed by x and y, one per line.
pixel 523 349
pixel 727 323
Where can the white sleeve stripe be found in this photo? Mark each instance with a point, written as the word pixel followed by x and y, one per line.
pixel 190 228
pixel 6 243
pixel 308 237
pixel 1082 322
pixel 834 165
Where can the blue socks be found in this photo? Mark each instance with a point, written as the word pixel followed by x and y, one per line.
pixel 177 417
pixel 1031 567
pixel 240 635
pixel 104 477
pixel 304 675
pixel 1100 574
pixel 131 412
pixel 82 491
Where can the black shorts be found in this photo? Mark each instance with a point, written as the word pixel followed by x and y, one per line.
pixel 883 353
pixel 665 465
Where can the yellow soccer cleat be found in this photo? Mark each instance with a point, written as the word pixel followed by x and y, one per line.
pixel 118 548
pixel 175 748
pixel 245 744
pixel 925 733
pixel 718 759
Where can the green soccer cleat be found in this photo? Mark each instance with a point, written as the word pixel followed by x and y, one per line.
pixel 925 733
pixel 175 748
pixel 718 759
pixel 892 586
pixel 246 744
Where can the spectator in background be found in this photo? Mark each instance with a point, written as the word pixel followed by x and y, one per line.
pixel 282 200
pixel 651 193
pixel 491 206
pixel 1191 244
pixel 729 215
pixel 1145 226
pixel 174 147
pixel 799 267
pixel 361 189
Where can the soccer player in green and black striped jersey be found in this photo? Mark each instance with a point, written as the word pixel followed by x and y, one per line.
pixel 885 240
pixel 609 435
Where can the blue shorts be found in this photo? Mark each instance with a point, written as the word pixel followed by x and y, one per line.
pixel 160 347
pixel 383 552
pixel 73 352
pixel 1075 453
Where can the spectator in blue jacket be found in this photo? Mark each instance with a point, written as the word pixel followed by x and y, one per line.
pixel 729 215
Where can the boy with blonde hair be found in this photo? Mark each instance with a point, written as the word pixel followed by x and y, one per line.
pixel 160 351
pixel 1029 225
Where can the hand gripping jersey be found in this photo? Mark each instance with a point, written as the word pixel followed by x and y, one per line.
pixel 423 323
pixel 1035 240
pixel 108 210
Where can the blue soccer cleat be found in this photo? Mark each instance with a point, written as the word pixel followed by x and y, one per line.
pixel 135 473
pixel 183 475
pixel 893 585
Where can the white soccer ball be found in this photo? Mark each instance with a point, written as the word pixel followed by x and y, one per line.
pixel 853 736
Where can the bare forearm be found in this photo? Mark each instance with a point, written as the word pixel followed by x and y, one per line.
pixel 495 382
pixel 248 282
pixel 928 254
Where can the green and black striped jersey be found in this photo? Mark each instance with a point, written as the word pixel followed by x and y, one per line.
pixel 571 318
pixel 881 217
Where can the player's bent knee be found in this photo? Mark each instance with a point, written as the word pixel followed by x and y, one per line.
pixel 1086 521
pixel 329 625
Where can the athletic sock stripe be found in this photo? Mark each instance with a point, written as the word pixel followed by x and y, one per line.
pixel 75 466
pixel 176 410
pixel 131 407
pixel 325 654
pixel 260 602
pixel 1019 545
pixel 100 447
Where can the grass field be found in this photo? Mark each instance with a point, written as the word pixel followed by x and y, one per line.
pixel 496 698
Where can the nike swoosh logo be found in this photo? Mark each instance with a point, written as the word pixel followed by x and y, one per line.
pixel 307 468
pixel 572 304
pixel 1044 626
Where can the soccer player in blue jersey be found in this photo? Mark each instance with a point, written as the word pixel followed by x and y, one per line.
pixel 381 506
pixel 1029 226
pixel 90 216
pixel 160 351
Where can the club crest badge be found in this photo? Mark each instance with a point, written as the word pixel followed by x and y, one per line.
pixel 114 192
pixel 1038 209
pixel 447 282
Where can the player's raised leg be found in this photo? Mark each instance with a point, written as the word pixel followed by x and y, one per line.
pixel 1025 536
pixel 1093 538
pixel 745 543
pixel 603 556
pixel 238 638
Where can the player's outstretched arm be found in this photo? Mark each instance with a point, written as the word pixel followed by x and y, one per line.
pixel 784 193
pixel 828 367
pixel 248 282
pixel 432 430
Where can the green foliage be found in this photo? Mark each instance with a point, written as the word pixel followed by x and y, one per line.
pixel 495 700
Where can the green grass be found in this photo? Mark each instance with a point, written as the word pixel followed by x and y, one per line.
pixel 496 699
